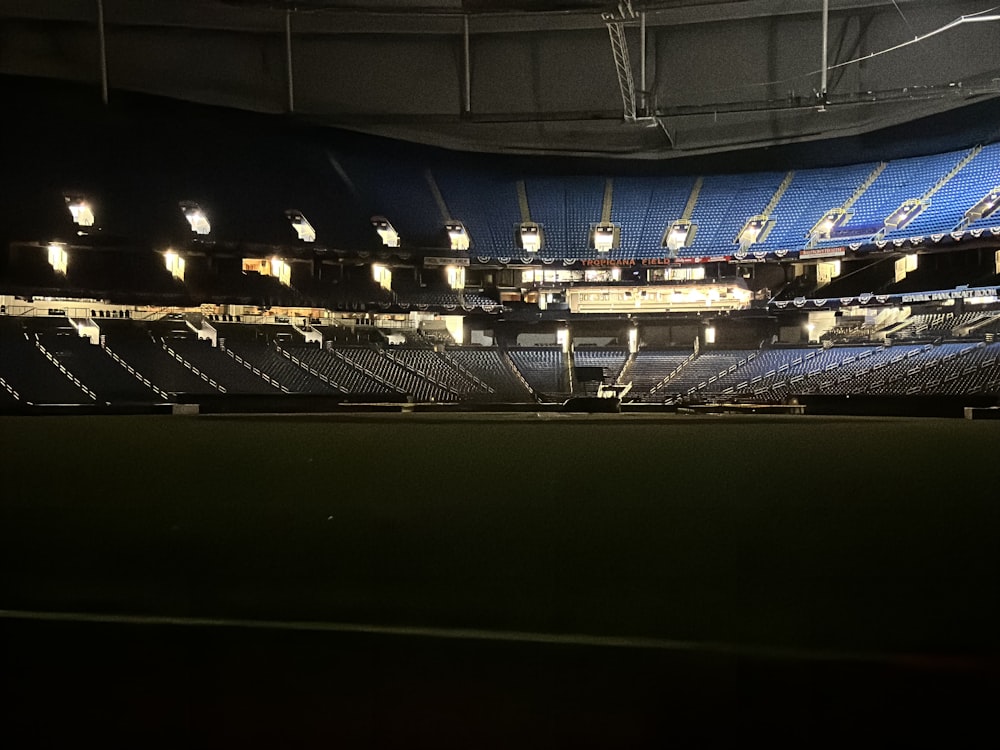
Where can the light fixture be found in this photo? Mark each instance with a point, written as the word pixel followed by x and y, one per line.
pixel 81 210
pixel 458 235
pixel 175 264
pixel 604 237
pixel 301 225
pixel 456 277
pixel 382 276
pixel 530 235
pixel 907 212
pixel 58 257
pixel 196 217
pixel 985 207
pixel 680 234
pixel 281 270
pixel 755 230
pixel 390 238
pixel 832 220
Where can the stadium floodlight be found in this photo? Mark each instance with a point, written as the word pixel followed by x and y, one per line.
pixel 175 264
pixel 679 234
pixel 907 212
pixel 301 225
pixel 530 235
pixel 58 257
pixel 563 339
pixel 390 237
pixel 458 235
pixel 604 237
pixel 755 230
pixel 985 207
pixel 456 277
pixel 905 265
pixel 81 210
pixel 382 276
pixel 281 270
pixel 196 217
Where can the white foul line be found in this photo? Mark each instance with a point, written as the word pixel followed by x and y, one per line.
pixel 476 634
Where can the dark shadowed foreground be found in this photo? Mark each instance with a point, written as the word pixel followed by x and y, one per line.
pixel 496 581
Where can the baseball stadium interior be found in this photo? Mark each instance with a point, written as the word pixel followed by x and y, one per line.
pixel 497 210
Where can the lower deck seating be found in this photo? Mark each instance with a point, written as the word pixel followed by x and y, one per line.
pixel 544 369
pixel 213 362
pixel 27 372
pixel 97 369
pixel 437 369
pixel 135 343
pixel 611 360
pixel 488 365
pixel 650 369
pixel 45 361
pixel 265 361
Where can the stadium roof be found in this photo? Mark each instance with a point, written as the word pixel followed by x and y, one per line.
pixel 564 77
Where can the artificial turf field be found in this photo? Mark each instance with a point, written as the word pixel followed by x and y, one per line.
pixel 503 580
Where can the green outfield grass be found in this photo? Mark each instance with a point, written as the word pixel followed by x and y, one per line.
pixel 497 581
pixel 832 534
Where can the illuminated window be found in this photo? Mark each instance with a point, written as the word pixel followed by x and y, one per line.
pixel 81 210
pixel 677 273
pixel 458 236
pixel 301 225
pixel 196 218
pixel 389 236
pixel 903 266
pixel 274 266
pixel 827 271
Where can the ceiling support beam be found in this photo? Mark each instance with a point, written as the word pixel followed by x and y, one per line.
pixel 623 67
pixel 103 51
pixel 824 71
pixel 616 24
pixel 643 91
pixel 467 67
pixel 290 75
